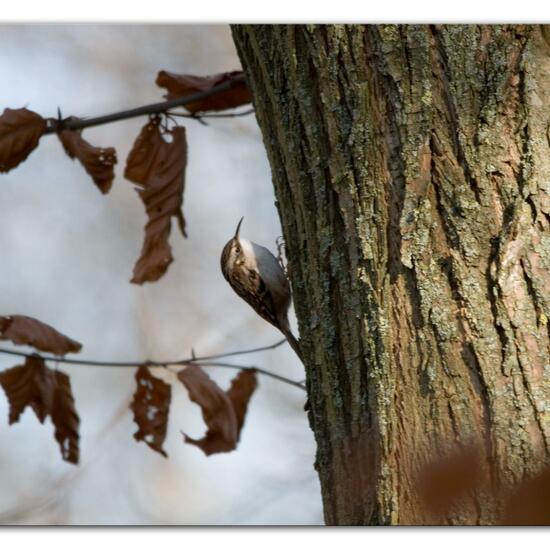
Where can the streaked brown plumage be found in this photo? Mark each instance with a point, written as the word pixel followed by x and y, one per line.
pixel 256 276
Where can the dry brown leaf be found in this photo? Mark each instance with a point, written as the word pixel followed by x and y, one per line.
pixel 20 131
pixel 150 406
pixel 158 168
pixel 240 392
pixel 217 411
pixel 28 331
pixel 31 384
pixel 148 151
pixel 48 393
pixel 65 418
pixel 223 412
pixel 98 162
pixel 180 85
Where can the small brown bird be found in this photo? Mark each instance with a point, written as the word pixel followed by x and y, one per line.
pixel 256 276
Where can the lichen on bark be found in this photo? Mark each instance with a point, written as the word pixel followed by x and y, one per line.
pixel 412 172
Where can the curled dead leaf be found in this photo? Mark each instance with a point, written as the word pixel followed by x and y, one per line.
pixel 65 418
pixel 240 392
pixel 20 131
pixel 180 85
pixel 48 393
pixel 98 162
pixel 23 330
pixel 31 384
pixel 150 406
pixel 157 167
pixel 223 412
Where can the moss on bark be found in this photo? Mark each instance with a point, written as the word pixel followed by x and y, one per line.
pixel 411 167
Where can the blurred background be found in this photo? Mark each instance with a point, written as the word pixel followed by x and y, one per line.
pixel 67 258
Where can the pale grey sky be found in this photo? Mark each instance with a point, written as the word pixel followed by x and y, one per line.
pixel 67 257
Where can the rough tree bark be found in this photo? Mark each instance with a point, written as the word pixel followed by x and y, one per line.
pixel 411 166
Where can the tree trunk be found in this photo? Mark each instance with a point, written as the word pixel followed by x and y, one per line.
pixel 411 166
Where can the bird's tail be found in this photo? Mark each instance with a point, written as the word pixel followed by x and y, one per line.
pixel 294 344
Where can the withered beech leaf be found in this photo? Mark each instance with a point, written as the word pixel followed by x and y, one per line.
pixel 48 393
pixel 31 384
pixel 98 162
pixel 157 167
pixel 65 418
pixel 217 411
pixel 28 331
pixel 150 406
pixel 179 85
pixel 20 131
pixel 223 412
pixel 240 392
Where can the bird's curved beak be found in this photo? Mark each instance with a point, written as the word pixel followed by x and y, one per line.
pixel 238 228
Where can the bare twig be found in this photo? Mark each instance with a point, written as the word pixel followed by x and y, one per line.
pixel 210 115
pixel 205 361
pixel 55 125
pixel 257 369
pixel 233 353
pixel 146 362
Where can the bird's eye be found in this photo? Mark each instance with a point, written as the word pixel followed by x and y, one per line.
pixel 238 249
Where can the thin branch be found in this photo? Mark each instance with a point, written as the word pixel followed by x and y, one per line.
pixel 233 353
pixel 199 361
pixel 55 125
pixel 257 369
pixel 139 363
pixel 210 115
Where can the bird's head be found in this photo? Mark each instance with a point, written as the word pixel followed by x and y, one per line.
pixel 232 252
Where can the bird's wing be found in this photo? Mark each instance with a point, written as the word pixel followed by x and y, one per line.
pixel 257 295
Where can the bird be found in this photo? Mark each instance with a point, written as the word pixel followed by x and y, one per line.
pixel 255 274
